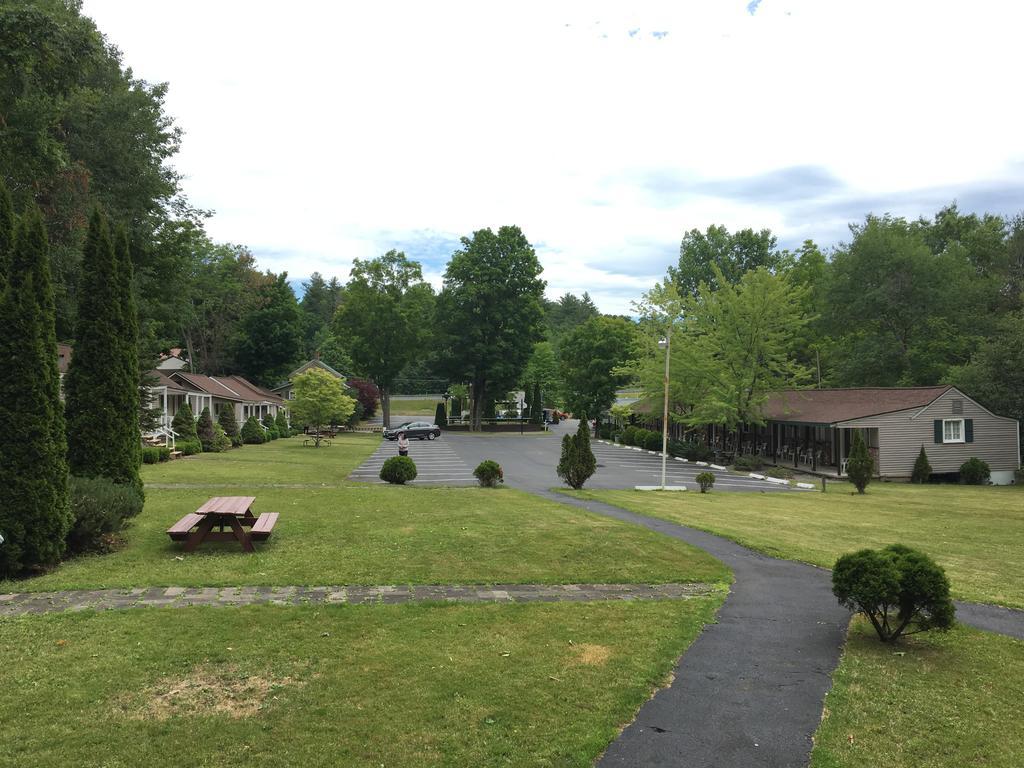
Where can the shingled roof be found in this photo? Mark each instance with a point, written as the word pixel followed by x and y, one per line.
pixel 829 406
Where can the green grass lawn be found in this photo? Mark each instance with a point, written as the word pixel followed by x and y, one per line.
pixel 975 533
pixel 425 406
pixel 415 685
pixel 933 701
pixel 334 532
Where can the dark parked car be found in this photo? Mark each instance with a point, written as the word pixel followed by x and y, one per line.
pixel 419 429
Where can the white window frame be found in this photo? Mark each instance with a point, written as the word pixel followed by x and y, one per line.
pixel 945 432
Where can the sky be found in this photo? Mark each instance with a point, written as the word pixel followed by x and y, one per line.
pixel 319 132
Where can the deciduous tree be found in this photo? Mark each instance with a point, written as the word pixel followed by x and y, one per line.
pixel 384 319
pixel 319 400
pixel 591 357
pixel 489 312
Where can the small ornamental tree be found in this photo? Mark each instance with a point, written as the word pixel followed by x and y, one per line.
pixel 205 430
pixel 320 400
pixel 902 591
pixel 229 424
pixel 706 481
pixel 252 432
pixel 440 417
pixel 577 463
pixel 184 423
pixel 922 469
pixel 860 465
pixel 281 422
pixel 367 394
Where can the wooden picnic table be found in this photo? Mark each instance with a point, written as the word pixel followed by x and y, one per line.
pixel 231 515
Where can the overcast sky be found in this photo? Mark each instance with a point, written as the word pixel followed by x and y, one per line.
pixel 324 131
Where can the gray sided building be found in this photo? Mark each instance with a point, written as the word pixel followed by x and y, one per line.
pixel 813 429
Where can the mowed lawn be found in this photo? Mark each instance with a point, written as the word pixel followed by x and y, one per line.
pixel 424 406
pixel 327 685
pixel 334 532
pixel 975 533
pixel 354 686
pixel 936 700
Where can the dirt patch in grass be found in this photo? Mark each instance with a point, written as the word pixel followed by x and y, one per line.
pixel 591 655
pixel 207 691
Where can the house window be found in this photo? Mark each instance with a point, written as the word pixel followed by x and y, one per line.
pixel 953 431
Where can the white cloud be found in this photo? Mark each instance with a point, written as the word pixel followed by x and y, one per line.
pixel 319 130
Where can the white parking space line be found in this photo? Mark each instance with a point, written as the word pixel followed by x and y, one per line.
pixel 435 463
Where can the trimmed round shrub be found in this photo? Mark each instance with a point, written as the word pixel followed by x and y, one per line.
pixel 398 470
pixel 628 436
pixel 189 447
pixel 150 455
pixel 900 590
pixel 165 453
pixel 652 440
pixel 691 450
pixel 706 481
pixel 99 508
pixel 974 471
pixel 489 473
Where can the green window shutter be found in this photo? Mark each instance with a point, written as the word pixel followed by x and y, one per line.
pixel 969 430
pixel 938 430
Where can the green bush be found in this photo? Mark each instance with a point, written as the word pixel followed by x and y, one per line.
pixel 691 450
pixel 189 447
pixel 974 471
pixel 922 469
pixel 228 422
pixel 281 422
pixel 577 462
pixel 150 455
pixel 706 481
pixel 489 473
pixel 748 463
pixel 252 433
pixel 652 440
pixel 860 465
pixel 204 430
pixel 221 442
pixel 184 423
pixel 165 453
pixel 99 508
pixel 897 578
pixel 628 435
pixel 398 470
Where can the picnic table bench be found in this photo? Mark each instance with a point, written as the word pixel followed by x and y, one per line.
pixel 233 513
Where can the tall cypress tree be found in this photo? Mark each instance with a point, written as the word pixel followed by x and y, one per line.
pixel 127 346
pixel 6 234
pixel 99 385
pixel 35 515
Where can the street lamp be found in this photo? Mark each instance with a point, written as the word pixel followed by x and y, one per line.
pixel 665 344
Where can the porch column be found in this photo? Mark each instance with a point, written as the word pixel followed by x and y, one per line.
pixel 842 452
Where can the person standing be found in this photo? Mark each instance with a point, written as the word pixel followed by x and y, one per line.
pixel 403 444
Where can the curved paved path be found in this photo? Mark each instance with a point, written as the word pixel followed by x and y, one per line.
pixel 750 690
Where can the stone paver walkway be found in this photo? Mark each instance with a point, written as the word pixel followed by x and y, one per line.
pixel 21 603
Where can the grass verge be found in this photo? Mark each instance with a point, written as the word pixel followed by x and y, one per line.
pixel 976 534
pixel 355 686
pixel 933 701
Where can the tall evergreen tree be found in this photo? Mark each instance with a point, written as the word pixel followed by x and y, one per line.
pixel 184 423
pixel 101 392
pixel 536 405
pixel 128 352
pixel 205 430
pixel 6 234
pixel 34 511
pixel 228 422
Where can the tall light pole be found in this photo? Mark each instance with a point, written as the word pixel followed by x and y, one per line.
pixel 665 344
